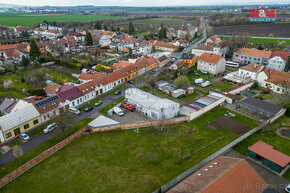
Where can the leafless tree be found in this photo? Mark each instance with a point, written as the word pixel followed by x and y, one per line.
pixel 65 120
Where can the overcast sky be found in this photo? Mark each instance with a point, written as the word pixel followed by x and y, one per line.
pixel 147 3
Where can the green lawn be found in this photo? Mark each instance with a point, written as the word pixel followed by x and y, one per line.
pixel 41 148
pixel 264 40
pixel 11 19
pixel 90 103
pixel 125 161
pixel 110 106
pixel 16 81
pixel 269 136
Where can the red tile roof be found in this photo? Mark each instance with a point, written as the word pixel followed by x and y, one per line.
pixel 254 52
pixel 8 47
pixel 164 45
pixel 150 60
pixel 283 55
pixel 121 64
pixel 266 151
pixel 44 104
pixel 12 53
pixel 114 76
pixel 277 77
pixel 253 67
pixel 52 88
pixel 87 87
pixel 229 176
pixel 20 28
pixel 210 58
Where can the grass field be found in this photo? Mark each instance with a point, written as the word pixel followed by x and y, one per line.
pixel 157 21
pixel 126 161
pixel 11 19
pixel 268 136
pixel 264 40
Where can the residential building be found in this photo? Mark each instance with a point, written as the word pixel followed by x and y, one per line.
pixel 4 106
pixel 180 43
pixel 278 60
pixel 52 89
pixel 152 63
pixel 189 59
pixel 145 49
pixel 248 55
pixel 142 65
pixel 48 107
pixel 172 90
pixel 88 90
pixel 79 37
pixel 7 47
pixel 251 70
pixel 275 80
pixel 223 174
pixel 124 47
pixel 104 41
pixel 129 72
pixel 116 78
pixel 13 55
pixel 164 46
pixel 51 34
pixel 187 32
pixel 103 84
pixel 211 63
pixel 70 96
pixel 270 157
pixel 213 40
pixel 200 49
pixel 17 122
pixel 162 60
pixel 152 106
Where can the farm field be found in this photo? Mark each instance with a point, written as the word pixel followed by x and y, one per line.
pixel 263 30
pixel 156 22
pixel 11 19
pixel 265 40
pixel 125 161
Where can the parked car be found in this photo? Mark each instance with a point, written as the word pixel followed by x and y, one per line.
pixel 198 81
pixel 117 92
pixel 130 81
pixel 196 74
pixel 24 136
pixel 181 96
pixel 205 84
pixel 287 188
pixel 50 128
pixel 222 79
pixel 89 108
pixel 74 110
pixel 119 111
pixel 204 72
pixel 130 107
pixel 99 102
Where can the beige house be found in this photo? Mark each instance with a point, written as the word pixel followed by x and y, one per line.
pixel 211 63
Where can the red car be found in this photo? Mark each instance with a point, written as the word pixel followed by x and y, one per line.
pixel 130 107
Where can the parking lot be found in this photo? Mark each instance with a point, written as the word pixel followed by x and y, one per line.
pixel 128 117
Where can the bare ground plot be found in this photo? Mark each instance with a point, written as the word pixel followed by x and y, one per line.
pixel 229 124
pixel 278 30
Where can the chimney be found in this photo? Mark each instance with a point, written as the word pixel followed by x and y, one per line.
pixel 255 66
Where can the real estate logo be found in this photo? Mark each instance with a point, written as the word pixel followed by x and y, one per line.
pixel 263 15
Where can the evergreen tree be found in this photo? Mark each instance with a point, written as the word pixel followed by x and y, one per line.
pixel 34 50
pixel 98 26
pixel 112 28
pixel 130 52
pixel 88 39
pixel 118 29
pixel 162 32
pixel 131 28
pixel 153 49
pixel 24 61
pixel 105 27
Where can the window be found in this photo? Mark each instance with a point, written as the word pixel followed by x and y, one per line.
pixel 78 101
pixel 7 135
pixel 81 99
pixel 278 89
pixel 35 122
pixel 45 107
pixel 73 103
pixel 26 126
pixel 53 103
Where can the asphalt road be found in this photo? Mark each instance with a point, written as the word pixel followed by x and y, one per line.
pixel 40 139
pixel 107 99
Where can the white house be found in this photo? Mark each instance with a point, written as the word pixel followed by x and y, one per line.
pixel 104 41
pixel 275 80
pixel 200 49
pixel 278 60
pixel 126 46
pixel 152 106
pixel 71 96
pixel 251 71
pixel 187 31
pixel 211 63
pixel 88 90
pixel 248 55
pixel 145 49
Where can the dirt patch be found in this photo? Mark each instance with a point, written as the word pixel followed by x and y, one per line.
pixel 277 29
pixel 229 124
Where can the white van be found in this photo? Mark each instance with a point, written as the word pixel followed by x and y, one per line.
pixel 198 81
pixel 118 111
pixel 50 128
pixel 205 84
pixel 74 110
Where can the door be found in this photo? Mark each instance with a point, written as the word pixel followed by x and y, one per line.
pixel 16 131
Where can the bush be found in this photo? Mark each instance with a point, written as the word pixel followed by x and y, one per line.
pixel 266 91
pixel 37 92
